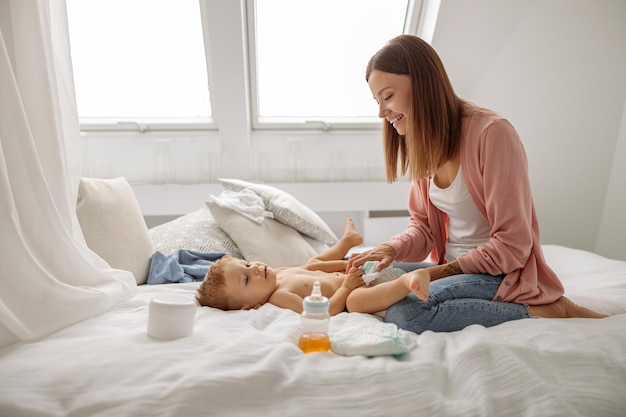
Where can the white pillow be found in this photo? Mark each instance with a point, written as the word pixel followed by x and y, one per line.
pixel 287 209
pixel 317 246
pixel 113 225
pixel 271 242
pixel 196 231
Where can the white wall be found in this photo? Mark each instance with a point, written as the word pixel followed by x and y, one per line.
pixel 555 68
pixel 612 234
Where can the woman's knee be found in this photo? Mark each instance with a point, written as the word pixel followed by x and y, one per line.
pixel 406 313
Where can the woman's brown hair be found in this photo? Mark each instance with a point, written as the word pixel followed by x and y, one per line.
pixel 434 125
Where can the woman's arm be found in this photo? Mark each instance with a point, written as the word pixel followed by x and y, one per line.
pixel 496 173
pixel 417 241
pixel 441 271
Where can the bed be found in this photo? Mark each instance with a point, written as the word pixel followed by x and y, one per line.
pixel 247 363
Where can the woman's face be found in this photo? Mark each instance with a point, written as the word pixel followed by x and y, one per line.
pixel 392 92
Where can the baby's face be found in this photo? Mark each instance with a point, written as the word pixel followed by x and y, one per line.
pixel 248 284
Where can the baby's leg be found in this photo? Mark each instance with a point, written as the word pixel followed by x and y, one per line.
pixel 338 251
pixel 380 297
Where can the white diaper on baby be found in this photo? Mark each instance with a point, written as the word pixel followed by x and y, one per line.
pixel 371 277
pixel 371 339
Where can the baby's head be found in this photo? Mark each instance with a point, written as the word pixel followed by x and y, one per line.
pixel 236 284
pixel 212 291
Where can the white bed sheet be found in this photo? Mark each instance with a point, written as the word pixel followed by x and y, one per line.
pixel 247 363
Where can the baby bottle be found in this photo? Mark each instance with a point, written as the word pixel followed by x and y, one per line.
pixel 315 319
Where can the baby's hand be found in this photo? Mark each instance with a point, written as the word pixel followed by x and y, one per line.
pixel 353 279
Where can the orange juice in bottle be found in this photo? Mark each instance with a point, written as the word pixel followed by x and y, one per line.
pixel 314 342
pixel 315 319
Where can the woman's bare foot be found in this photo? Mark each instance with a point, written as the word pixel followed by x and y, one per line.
pixel 563 308
pixel 350 235
pixel 418 282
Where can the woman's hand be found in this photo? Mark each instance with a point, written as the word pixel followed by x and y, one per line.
pixel 385 254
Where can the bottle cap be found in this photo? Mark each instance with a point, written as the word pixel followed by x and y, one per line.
pixel 315 303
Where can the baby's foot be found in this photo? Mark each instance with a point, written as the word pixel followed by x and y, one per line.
pixel 418 284
pixel 350 235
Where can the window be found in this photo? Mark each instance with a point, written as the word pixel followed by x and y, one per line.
pixel 139 63
pixel 308 59
pixel 143 63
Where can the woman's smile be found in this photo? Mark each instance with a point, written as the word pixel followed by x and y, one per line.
pixel 395 119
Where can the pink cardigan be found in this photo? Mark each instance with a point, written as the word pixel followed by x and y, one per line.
pixel 495 168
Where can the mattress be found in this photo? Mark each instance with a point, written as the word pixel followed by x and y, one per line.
pixel 247 363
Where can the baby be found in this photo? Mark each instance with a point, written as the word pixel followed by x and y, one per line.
pixel 236 284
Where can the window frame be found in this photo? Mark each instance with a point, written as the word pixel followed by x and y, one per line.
pixel 162 124
pixel 417 12
pixel 323 124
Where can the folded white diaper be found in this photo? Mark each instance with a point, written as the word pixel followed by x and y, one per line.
pixel 371 277
pixel 371 339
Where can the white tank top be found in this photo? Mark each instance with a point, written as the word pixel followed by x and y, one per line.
pixel 466 227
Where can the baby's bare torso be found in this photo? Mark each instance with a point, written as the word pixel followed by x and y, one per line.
pixel 300 281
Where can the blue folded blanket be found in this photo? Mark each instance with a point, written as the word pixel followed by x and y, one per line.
pixel 181 266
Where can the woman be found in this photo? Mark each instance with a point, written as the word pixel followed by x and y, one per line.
pixel 470 202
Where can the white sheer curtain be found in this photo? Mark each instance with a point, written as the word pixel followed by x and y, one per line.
pixel 48 277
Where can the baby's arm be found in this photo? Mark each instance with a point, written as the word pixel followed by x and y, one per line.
pixel 286 299
pixel 352 281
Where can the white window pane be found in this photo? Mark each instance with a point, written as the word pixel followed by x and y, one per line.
pixel 311 55
pixel 138 59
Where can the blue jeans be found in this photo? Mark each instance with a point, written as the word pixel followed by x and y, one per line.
pixel 453 303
